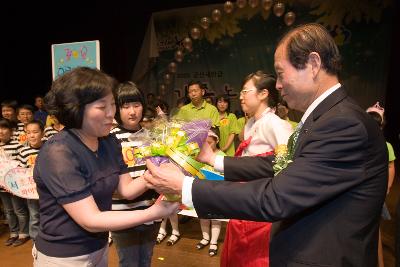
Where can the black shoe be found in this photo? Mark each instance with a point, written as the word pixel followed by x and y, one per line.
pixel 171 241
pixel 160 237
pixel 204 242
pixel 21 241
pixel 10 240
pixel 212 252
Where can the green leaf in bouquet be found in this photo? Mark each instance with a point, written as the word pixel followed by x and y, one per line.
pixel 193 149
pixel 142 152
pixel 182 149
pixel 158 149
pixel 180 138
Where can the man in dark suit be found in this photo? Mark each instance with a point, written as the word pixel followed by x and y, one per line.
pixel 326 204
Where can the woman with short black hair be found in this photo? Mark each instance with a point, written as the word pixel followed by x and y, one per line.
pixel 78 170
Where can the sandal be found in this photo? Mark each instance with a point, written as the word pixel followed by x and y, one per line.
pixel 173 239
pixel 160 237
pixel 213 251
pixel 204 242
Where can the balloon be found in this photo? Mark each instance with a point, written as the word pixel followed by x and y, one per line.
pixel 267 4
pixel 167 78
pixel 187 43
pixel 179 55
pixel 253 3
pixel 279 9
pixel 289 18
pixel 172 67
pixel 162 88
pixel 205 23
pixel 195 33
pixel 228 7
pixel 216 15
pixel 241 3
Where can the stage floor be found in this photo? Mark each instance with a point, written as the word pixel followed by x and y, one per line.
pixel 184 252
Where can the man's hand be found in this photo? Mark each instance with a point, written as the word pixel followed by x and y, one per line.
pixel 206 155
pixel 166 179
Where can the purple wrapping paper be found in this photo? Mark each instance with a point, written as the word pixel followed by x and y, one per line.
pixel 197 131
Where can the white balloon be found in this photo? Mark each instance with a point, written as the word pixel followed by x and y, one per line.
pixel 228 7
pixel 241 3
pixel 195 33
pixel 253 3
pixel 205 23
pixel 172 67
pixel 179 55
pixel 187 43
pixel 216 15
pixel 289 18
pixel 279 9
pixel 267 4
pixel 167 78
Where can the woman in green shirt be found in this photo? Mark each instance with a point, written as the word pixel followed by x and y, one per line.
pixel 377 113
pixel 227 125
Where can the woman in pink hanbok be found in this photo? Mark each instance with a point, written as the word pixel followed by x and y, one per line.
pixel 247 242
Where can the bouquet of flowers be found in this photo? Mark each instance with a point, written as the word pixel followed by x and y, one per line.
pixel 174 141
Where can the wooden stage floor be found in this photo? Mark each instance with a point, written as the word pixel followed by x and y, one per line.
pixel 184 253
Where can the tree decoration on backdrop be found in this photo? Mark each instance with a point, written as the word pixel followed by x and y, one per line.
pixel 223 23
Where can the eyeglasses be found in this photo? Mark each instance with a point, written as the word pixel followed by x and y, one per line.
pixel 245 91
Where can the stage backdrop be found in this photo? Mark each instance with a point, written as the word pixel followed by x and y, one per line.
pixel 220 44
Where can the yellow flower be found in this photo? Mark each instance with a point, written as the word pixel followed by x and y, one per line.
pixel 281 150
pixel 282 158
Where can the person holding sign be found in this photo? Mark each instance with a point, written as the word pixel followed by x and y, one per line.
pixel 27 157
pixel 78 170
pixel 134 245
pixel 14 206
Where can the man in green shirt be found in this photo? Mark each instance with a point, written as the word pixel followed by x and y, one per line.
pixel 198 108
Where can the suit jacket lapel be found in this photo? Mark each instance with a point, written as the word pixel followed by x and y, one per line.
pixel 321 109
